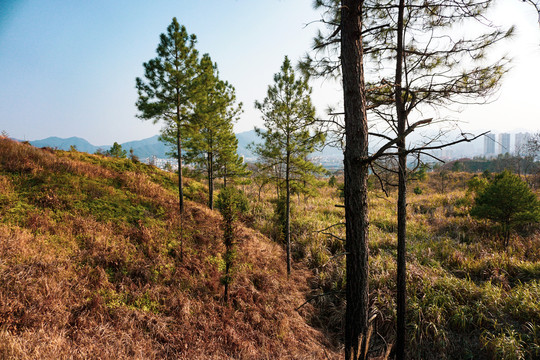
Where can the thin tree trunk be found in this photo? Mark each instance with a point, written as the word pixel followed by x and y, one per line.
pixel 179 158
pixel 210 180
pixel 180 182
pixel 180 194
pixel 288 210
pixel 228 236
pixel 226 291
pixel 356 172
pixel 401 261
pixel 402 193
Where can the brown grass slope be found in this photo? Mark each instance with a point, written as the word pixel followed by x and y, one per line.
pixel 90 268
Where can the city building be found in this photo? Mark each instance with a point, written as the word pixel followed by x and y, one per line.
pixel 489 145
pixel 504 143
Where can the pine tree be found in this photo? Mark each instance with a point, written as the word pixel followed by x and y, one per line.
pixel 212 143
pixel 289 119
pixel 434 69
pixel 508 201
pixel 230 165
pixel 416 61
pixel 231 203
pixel 116 151
pixel 166 94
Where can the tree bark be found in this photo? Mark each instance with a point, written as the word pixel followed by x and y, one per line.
pixel 356 172
pixel 402 192
pixel 288 210
pixel 401 252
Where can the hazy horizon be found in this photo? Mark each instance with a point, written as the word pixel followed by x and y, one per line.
pixel 69 69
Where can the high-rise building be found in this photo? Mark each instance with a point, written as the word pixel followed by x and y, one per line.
pixel 520 140
pixel 504 143
pixel 489 144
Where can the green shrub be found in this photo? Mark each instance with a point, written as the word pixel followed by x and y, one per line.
pixel 230 202
pixel 508 201
pixel 332 181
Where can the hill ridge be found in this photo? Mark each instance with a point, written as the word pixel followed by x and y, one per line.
pixel 90 266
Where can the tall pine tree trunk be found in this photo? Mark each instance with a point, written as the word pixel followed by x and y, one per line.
pixel 401 252
pixel 288 211
pixel 356 172
pixel 402 193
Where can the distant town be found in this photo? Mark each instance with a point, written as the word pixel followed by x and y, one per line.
pixel 495 144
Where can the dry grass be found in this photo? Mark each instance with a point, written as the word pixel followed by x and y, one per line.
pixel 468 297
pixel 90 268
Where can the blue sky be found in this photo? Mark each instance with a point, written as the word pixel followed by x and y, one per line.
pixel 68 68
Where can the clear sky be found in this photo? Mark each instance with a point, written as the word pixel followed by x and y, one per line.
pixel 68 68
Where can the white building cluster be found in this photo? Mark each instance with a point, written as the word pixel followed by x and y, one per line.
pixel 495 144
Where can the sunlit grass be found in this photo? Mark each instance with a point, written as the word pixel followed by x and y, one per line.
pixel 90 266
pixel 467 296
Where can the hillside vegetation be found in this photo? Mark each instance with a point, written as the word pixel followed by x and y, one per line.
pixel 468 297
pixel 94 264
pixel 90 267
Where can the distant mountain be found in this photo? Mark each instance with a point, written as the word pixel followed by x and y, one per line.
pixel 65 144
pixel 244 139
pixel 146 148
pixel 248 137
pixel 151 146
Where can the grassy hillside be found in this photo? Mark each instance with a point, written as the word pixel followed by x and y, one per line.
pixel 468 296
pixel 90 267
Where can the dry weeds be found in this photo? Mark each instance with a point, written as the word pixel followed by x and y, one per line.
pixel 77 286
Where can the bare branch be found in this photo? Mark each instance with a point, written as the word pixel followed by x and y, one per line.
pixel 438 147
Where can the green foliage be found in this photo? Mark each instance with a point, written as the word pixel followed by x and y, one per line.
pixel 477 185
pixel 509 201
pixel 417 190
pixel 289 119
pixel 506 345
pixel 211 144
pixel 460 289
pixel 290 136
pixel 332 182
pixel 231 199
pixel 231 202
pixel 116 151
pixel 421 173
pixel 196 191
pixel 167 93
pixel 341 191
pixel 133 157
